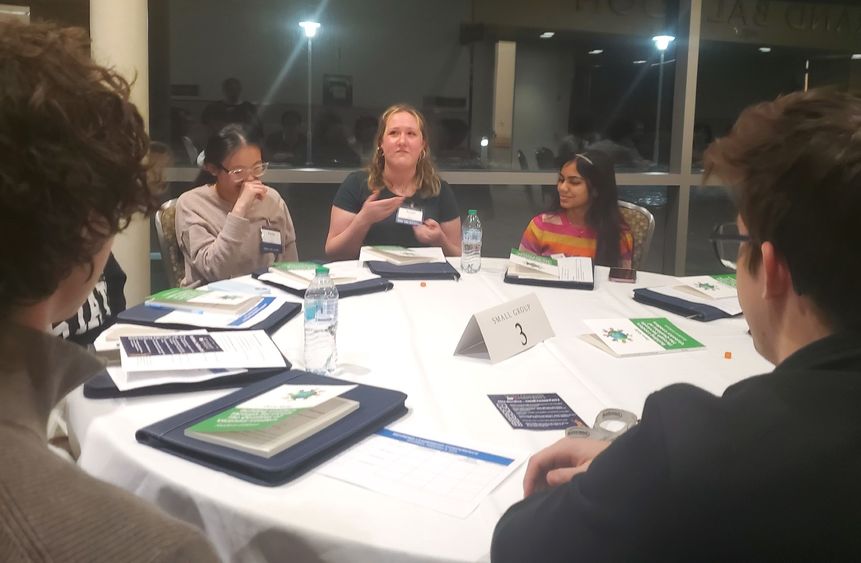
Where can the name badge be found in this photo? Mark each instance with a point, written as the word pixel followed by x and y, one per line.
pixel 505 330
pixel 270 241
pixel 410 216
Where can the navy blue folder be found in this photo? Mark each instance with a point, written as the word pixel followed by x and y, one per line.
pixel 344 290
pixel 425 271
pixel 549 283
pixel 143 315
pixel 683 307
pixel 377 407
pixel 101 386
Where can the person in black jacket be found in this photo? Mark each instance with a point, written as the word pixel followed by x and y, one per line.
pixel 769 470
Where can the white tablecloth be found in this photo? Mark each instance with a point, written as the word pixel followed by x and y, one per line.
pixel 404 339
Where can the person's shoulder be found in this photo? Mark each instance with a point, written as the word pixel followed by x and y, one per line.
pixel 272 192
pixel 204 192
pixel 359 177
pixel 356 182
pixel 110 524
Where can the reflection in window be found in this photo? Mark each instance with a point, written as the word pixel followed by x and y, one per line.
pixel 578 75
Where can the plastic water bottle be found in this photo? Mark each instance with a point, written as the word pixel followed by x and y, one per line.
pixel 470 258
pixel 321 324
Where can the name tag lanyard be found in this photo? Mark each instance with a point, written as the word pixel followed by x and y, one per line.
pixel 270 240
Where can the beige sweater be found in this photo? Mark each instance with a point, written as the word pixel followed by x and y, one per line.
pixel 50 510
pixel 218 245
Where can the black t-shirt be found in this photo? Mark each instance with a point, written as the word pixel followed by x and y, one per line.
pixel 100 310
pixel 767 472
pixel 354 191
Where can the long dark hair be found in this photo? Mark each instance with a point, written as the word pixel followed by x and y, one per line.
pixel 603 215
pixel 219 147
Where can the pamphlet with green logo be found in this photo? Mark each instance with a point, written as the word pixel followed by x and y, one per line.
pixel 274 421
pixel 522 264
pixel 714 287
pixel 400 255
pixel 201 300
pixel 298 275
pixel 634 337
pixel 294 266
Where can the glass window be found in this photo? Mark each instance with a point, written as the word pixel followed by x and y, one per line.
pixel 503 85
pixel 710 206
pixel 754 51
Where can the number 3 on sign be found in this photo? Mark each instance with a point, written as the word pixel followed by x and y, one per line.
pixel 519 327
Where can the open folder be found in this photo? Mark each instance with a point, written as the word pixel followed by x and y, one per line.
pixel 679 306
pixel 377 408
pixel 282 312
pixel 344 289
pixel 101 386
pixel 426 271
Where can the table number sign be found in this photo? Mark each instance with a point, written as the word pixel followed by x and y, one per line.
pixel 505 330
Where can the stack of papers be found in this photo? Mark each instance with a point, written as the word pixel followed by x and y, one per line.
pixel 528 266
pixel 150 356
pixel 636 337
pixel 298 275
pixel 207 309
pixel 400 255
pixel 272 422
pixel 200 301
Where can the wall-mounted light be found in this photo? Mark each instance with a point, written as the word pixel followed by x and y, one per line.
pixel 765 49
pixel 547 35
pixel 484 141
pixel 640 62
pixel 663 41
pixel 856 57
pixel 310 28
pixel 596 51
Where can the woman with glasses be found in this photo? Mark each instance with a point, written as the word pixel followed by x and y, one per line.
pixel 233 224
pixel 399 199
pixel 584 219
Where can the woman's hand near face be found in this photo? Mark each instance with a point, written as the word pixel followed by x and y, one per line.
pixel 252 192
pixel 375 210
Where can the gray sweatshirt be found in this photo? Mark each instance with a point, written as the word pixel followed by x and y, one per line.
pixel 217 244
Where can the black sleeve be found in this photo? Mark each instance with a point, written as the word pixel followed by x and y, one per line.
pixel 620 509
pixel 447 204
pixel 115 277
pixel 352 193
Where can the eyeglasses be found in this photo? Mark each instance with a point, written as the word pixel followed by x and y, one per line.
pixel 727 242
pixel 241 173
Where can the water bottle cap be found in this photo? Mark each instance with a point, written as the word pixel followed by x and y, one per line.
pixel 322 270
pixel 472 212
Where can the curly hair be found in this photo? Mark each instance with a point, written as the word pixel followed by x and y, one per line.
pixel 73 152
pixel 794 165
pixel 427 179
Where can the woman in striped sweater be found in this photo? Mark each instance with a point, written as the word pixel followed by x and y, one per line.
pixel 585 218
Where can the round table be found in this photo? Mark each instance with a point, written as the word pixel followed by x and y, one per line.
pixel 404 339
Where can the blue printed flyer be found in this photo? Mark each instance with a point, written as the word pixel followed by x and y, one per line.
pixel 536 411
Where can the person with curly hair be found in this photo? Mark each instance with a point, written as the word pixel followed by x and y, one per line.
pixel 401 173
pixel 73 173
